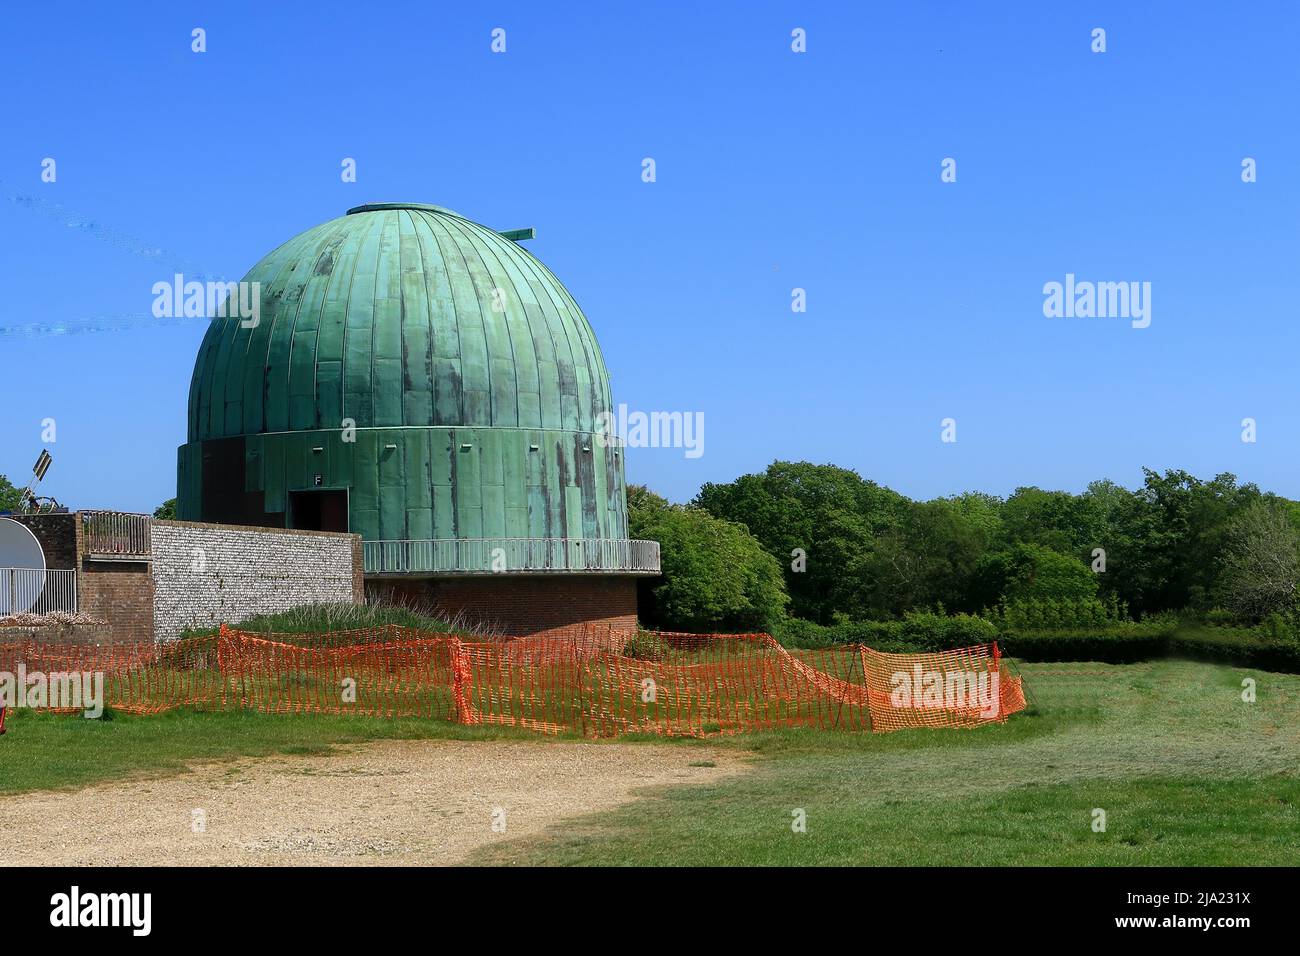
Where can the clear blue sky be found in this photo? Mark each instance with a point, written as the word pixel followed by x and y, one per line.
pixel 775 170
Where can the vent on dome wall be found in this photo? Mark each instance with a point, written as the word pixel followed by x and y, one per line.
pixel 518 235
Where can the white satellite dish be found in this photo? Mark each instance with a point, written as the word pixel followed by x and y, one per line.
pixel 22 568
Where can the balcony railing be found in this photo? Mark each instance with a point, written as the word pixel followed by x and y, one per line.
pixel 116 535
pixel 33 591
pixel 512 556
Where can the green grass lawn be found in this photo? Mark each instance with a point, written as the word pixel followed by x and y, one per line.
pixel 1187 773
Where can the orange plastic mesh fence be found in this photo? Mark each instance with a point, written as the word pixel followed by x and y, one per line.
pixel 958 688
pixel 411 678
pixel 655 683
pixel 141 678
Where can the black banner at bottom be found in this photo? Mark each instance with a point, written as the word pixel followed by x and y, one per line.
pixel 301 905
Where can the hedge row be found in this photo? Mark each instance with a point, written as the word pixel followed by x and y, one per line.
pixel 914 632
pixel 1113 644
pixel 1221 645
pixel 1236 646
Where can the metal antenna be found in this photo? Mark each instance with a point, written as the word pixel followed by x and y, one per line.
pixel 28 501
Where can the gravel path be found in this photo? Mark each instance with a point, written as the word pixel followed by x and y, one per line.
pixel 391 802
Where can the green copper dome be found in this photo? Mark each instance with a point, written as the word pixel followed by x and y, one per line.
pixel 412 376
pixel 400 315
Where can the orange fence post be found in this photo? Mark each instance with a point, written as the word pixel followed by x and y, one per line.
pixel 577 674
pixel 866 682
pixel 460 682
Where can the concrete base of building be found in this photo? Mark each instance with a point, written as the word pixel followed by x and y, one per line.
pixel 599 606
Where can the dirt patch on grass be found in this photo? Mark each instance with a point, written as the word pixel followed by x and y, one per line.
pixel 393 802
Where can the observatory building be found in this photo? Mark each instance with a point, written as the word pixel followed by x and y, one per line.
pixel 427 383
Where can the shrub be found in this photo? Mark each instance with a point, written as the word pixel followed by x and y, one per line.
pixel 645 646
pixel 1057 613
pixel 929 631
pixel 798 632
pixel 326 618
pixel 1220 617
pixel 1280 627
pixel 716 575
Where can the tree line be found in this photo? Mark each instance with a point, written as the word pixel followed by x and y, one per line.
pixel 821 543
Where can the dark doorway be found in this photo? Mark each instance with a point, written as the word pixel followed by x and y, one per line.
pixel 319 510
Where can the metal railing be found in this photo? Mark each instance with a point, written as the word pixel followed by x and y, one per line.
pixel 33 591
pixel 116 534
pixel 511 556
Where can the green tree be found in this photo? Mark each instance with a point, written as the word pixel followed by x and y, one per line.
pixel 1033 572
pixel 10 497
pixel 816 521
pixel 166 511
pixel 1261 561
pixel 1118 520
pixel 929 558
pixel 983 512
pixel 716 575
pixel 1047 518
pixel 643 508
pixel 1181 531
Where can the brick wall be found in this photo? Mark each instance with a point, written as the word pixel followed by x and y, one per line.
pixel 57 535
pixel 553 606
pixel 121 594
pixel 206 574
